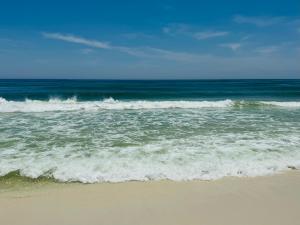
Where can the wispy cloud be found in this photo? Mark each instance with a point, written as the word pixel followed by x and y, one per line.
pixel 175 55
pixel 166 30
pixel 144 52
pixel 260 21
pixel 87 51
pixel 232 46
pixel 210 34
pixel 176 28
pixel 137 35
pixel 158 53
pixel 247 37
pixel 267 49
pixel 78 40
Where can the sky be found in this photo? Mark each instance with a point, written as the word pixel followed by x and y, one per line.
pixel 157 39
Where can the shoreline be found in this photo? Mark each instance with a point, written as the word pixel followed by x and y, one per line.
pixel 249 200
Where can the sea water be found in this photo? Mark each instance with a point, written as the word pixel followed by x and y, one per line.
pixel 113 131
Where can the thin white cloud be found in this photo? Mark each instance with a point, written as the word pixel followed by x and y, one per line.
pixel 176 28
pixel 267 49
pixel 247 37
pixel 232 46
pixel 78 40
pixel 166 30
pixel 143 52
pixel 261 21
pixel 138 52
pixel 137 35
pixel 158 53
pixel 87 51
pixel 210 34
pixel 175 56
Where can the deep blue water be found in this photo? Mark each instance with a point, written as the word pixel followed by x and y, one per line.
pixel 152 90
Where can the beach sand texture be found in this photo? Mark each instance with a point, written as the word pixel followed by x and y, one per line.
pixel 267 200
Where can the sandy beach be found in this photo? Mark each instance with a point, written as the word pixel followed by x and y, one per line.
pixel 261 200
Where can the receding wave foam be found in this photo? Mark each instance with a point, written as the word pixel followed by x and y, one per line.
pixel 71 104
pixel 153 162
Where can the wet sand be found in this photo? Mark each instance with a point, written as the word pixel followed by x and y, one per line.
pixel 269 200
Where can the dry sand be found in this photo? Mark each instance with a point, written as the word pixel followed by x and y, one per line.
pixel 257 201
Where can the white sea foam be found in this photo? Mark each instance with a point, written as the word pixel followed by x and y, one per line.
pixel 148 163
pixel 2 100
pixel 71 104
pixel 121 145
pixel 281 104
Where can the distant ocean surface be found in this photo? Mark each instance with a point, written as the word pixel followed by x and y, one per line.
pixel 113 131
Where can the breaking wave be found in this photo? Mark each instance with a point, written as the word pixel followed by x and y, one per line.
pixel 121 144
pixel 72 104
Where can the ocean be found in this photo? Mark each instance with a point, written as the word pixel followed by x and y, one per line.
pixel 113 131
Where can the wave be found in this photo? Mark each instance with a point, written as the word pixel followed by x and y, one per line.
pixel 72 104
pixel 96 169
pixel 209 142
pixel 189 159
pixel 282 104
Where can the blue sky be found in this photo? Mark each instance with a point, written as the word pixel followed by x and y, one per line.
pixel 150 39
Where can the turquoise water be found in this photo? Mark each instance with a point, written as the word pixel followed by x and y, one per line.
pixel 98 131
